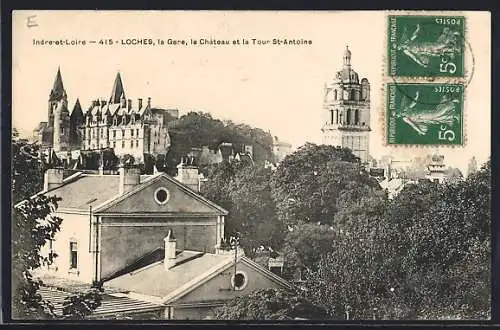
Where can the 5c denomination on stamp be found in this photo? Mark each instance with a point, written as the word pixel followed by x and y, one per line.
pixel 425 114
pixel 426 46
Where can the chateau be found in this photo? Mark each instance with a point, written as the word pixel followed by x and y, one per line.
pixel 346 111
pixel 117 123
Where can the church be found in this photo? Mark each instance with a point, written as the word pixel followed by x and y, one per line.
pixel 346 111
pixel 117 123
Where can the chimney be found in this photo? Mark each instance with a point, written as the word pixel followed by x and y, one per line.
pixel 149 102
pixel 130 177
pixel 187 173
pixel 170 247
pixel 140 103
pixel 52 178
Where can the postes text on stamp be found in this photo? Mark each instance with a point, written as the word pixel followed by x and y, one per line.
pixel 426 46
pixel 425 114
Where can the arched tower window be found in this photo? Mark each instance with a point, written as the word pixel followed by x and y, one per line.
pixel 352 95
pixel 331 116
pixel 337 115
pixel 356 117
pixel 348 116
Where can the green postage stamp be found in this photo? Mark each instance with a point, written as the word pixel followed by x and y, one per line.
pixel 426 46
pixel 425 114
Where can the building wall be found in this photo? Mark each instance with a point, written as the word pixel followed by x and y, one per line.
pixel 124 240
pixel 74 227
pixel 219 288
pixel 193 313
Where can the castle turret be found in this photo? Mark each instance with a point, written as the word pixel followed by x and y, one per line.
pixel 118 93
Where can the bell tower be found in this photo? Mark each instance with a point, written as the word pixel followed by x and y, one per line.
pixel 346 111
pixel 58 114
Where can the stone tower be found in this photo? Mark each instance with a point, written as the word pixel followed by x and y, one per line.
pixel 58 115
pixel 346 111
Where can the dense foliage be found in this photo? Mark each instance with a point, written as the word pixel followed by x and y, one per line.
pixel 270 304
pixel 244 190
pixel 198 129
pixel 314 183
pixel 423 255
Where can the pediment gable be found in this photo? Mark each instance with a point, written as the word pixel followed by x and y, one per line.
pixel 149 197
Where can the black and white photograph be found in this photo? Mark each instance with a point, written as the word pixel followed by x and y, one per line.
pixel 251 166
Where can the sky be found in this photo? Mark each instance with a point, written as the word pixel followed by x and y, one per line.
pixel 274 87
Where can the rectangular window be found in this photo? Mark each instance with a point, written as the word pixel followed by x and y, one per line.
pixel 102 132
pixel 73 250
pixel 136 143
pixel 114 144
pixel 123 133
pixel 123 144
pixel 131 132
pixel 131 143
pixel 137 131
pixel 114 134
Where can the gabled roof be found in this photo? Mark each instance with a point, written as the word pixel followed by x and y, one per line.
pixel 155 178
pixel 154 281
pixel 80 188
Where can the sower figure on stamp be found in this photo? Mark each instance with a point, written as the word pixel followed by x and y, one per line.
pixel 421 52
pixel 419 120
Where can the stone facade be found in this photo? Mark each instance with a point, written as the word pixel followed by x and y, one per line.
pixel 117 123
pixel 346 111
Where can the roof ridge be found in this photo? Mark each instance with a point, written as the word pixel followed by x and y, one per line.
pixel 262 269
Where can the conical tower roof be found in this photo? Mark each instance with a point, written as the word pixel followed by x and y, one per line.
pixel 77 109
pixel 118 91
pixel 57 93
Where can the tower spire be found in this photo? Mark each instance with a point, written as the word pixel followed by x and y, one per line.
pixel 117 93
pixel 57 93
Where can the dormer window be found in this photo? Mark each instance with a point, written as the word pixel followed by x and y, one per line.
pixel 123 120
pixel 115 121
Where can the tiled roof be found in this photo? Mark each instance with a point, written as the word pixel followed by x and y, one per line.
pixel 79 190
pixel 155 256
pixel 154 280
pixel 110 305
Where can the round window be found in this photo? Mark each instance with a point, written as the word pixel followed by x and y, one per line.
pixel 161 195
pixel 239 280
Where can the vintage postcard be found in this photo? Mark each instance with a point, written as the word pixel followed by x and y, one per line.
pixel 270 165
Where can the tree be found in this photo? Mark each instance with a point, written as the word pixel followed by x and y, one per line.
pixel 244 190
pixel 253 212
pixel 270 304
pixel 304 246
pixel 440 242
pixel 309 184
pixel 350 278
